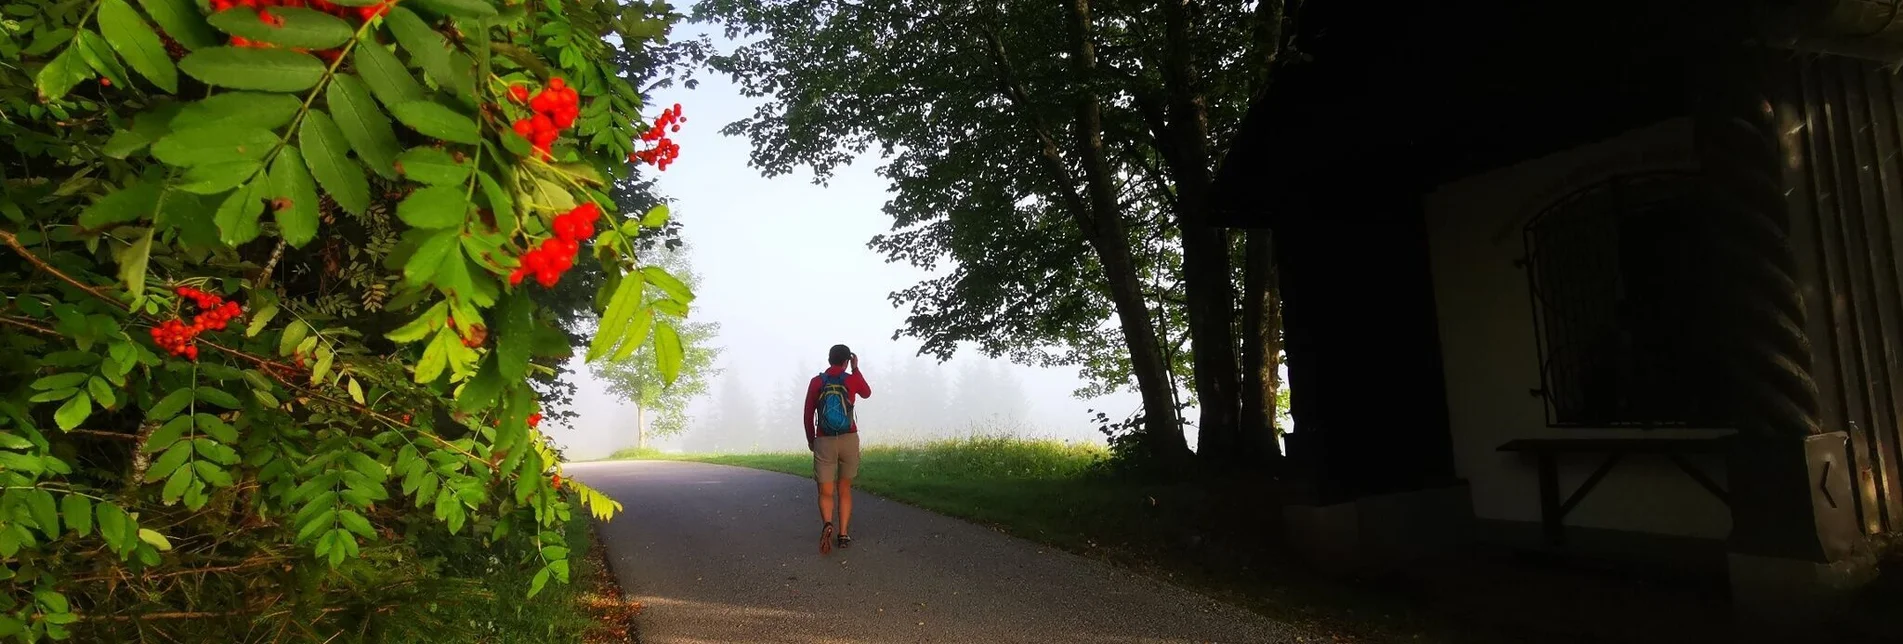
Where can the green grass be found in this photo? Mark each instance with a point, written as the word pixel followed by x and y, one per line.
pixel 1043 490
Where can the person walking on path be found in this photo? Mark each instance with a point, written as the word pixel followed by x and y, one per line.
pixel 832 433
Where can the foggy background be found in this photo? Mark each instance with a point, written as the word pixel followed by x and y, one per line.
pixel 786 272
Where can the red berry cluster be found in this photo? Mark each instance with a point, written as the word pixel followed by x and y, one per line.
pixel 361 14
pixel 661 151
pixel 176 338
pixel 535 419
pixel 556 109
pixel 556 254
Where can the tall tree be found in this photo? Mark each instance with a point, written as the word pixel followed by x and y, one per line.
pixel 662 409
pixel 1068 177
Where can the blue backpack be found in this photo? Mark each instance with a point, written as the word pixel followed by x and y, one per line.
pixel 835 405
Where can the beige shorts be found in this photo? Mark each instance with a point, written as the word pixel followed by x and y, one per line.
pixel 836 457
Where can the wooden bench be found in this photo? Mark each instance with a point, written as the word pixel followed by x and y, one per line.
pixel 1548 450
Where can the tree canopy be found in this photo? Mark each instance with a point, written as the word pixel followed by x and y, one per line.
pixel 1054 154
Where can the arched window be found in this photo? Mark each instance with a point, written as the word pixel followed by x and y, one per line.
pixel 1617 271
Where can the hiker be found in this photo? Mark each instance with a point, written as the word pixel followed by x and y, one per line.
pixel 832 433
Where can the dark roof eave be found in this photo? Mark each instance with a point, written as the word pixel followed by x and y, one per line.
pixel 1866 29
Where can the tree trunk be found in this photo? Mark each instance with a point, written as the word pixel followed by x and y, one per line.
pixel 1162 434
pixel 640 427
pixel 1261 350
pixel 1206 271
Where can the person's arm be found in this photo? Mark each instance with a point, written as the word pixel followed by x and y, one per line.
pixel 812 405
pixel 857 382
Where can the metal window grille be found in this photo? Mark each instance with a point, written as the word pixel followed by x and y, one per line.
pixel 1618 291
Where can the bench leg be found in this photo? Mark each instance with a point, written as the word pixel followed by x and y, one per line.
pixel 1550 515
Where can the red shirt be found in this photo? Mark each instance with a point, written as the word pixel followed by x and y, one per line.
pixel 855 386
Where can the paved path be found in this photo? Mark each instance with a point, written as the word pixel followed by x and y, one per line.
pixel 723 554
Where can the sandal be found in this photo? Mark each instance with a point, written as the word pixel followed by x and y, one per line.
pixel 845 541
pixel 826 539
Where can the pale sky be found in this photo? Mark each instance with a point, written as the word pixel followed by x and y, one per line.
pixel 786 272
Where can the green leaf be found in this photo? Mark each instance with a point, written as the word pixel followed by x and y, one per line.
pixel 127 32
pixel 362 123
pixel 209 472
pixel 21 463
pixel 670 285
pixel 144 128
pixel 500 203
pixel 385 75
pixel 636 335
pixel 214 144
pixel 296 210
pixel 667 352
pixel 656 217
pixel 356 523
pixel 175 485
pixel 432 166
pixel 68 380
pixel 541 579
pixel 356 391
pixel 237 217
pixel 438 121
pixel 98 55
pixel 321 521
pixel 78 512
pixel 435 357
pixel 102 392
pixel 130 203
pixel 415 329
pixel 45 511
pixel 327 152
pixel 427 48
pixel 74 412
pixel 216 451
pixel 341 545
pixel 169 462
pixel 259 110
pixel 216 428
pixel 167 434
pixel 157 540
pixel 480 392
pixel 216 396
pixel 324 359
pixel 182 21
pixel 621 305
pixel 113 523
pixel 459 8
pixel 554 552
pixel 293 334
pixel 670 307
pixel 170 405
pixel 434 207
pixel 287 27
pixel 219 178
pixel 260 319
pixel 265 70
pixel 60 74
pixel 132 267
pixel 56 394
pixel 512 337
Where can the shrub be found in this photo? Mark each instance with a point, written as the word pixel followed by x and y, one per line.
pixel 277 278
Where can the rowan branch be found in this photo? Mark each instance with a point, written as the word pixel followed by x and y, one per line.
pixel 27 324
pixel 35 260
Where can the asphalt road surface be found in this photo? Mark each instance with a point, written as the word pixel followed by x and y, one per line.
pixel 724 554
